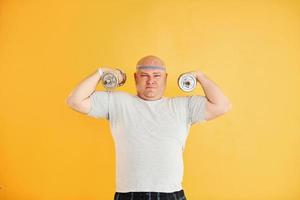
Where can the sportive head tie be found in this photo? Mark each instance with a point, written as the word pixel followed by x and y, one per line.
pixel 150 67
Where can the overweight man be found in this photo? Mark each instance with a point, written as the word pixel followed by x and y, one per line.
pixel 149 130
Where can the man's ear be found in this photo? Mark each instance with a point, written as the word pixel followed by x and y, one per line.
pixel 166 78
pixel 135 76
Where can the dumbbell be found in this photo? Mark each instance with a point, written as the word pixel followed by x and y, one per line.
pixel 113 79
pixel 187 82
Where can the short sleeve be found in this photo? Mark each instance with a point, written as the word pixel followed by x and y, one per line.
pixel 99 104
pixel 196 109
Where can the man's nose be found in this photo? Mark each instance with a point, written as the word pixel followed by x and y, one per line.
pixel 150 80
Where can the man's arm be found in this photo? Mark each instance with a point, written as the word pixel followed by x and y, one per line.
pixel 217 103
pixel 79 98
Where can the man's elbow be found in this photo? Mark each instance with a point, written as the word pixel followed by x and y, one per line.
pixel 226 107
pixel 70 102
pixel 223 107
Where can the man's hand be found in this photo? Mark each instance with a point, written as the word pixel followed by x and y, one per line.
pixel 198 75
pixel 105 69
pixel 117 72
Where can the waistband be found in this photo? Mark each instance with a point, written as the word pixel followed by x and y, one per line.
pixel 177 194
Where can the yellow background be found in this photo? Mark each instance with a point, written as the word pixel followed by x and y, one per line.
pixel 250 49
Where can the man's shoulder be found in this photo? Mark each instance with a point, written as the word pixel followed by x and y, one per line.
pixel 121 95
pixel 184 99
pixel 178 98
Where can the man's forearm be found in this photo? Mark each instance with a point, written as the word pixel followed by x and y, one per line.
pixel 84 89
pixel 212 91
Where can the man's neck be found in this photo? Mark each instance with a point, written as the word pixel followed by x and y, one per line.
pixel 149 99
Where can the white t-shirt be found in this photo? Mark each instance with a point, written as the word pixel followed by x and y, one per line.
pixel 149 137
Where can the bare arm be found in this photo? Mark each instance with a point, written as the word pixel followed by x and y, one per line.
pixel 79 99
pixel 217 103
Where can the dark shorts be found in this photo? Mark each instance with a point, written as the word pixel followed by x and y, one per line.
pixel 177 195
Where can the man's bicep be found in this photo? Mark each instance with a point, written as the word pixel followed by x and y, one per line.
pixel 83 106
pixel 212 111
pixel 98 104
pixel 196 108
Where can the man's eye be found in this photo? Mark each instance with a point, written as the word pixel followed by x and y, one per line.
pixel 157 76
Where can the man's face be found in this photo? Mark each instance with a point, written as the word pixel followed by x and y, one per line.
pixel 150 83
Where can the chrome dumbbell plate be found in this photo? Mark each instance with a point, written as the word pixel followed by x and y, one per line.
pixel 187 82
pixel 113 79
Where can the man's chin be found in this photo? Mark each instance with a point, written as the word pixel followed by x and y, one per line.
pixel 152 96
